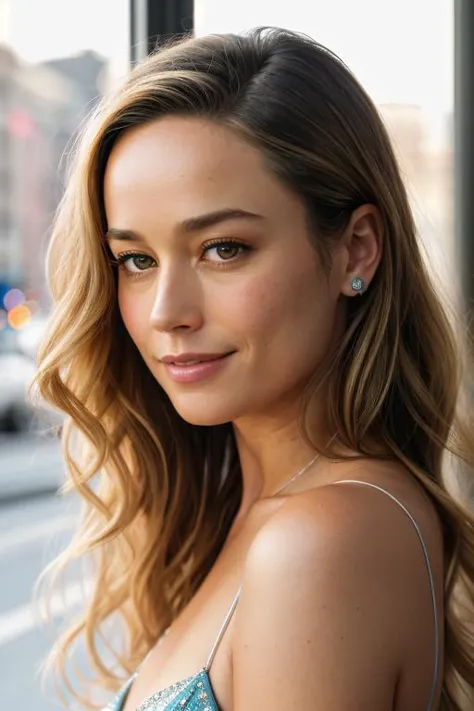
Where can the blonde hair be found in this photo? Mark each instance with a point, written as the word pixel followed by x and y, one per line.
pixel 159 494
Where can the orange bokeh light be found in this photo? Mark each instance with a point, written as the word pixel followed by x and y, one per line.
pixel 19 316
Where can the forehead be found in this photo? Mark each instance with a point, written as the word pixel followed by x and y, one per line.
pixel 189 165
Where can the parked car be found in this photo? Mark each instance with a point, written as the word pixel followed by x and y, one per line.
pixel 17 370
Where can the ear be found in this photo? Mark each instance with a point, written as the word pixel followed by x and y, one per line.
pixel 362 243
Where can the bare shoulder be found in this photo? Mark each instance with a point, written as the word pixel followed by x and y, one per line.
pixel 331 586
pixel 367 523
pixel 335 528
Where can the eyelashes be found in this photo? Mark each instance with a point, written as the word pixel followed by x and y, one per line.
pixel 125 257
pixel 235 251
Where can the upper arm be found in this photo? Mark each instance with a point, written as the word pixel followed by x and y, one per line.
pixel 321 609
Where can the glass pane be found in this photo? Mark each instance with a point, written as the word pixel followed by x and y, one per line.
pixel 56 58
pixel 403 55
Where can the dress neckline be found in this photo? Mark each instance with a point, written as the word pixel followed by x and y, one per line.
pixel 179 691
pixel 198 683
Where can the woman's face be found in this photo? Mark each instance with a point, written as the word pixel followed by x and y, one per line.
pixel 219 264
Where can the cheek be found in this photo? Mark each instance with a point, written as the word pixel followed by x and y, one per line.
pixel 275 312
pixel 257 307
pixel 289 331
pixel 134 315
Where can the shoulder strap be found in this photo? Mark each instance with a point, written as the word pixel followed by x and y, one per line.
pixel 225 624
pixel 430 576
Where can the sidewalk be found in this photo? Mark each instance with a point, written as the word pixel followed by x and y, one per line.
pixel 29 466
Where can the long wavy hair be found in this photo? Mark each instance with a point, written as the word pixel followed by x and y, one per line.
pixel 159 494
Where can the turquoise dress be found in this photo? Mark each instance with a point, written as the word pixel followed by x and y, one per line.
pixel 194 693
pixel 191 694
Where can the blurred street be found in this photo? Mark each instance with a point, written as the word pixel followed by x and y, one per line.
pixel 35 524
pixel 29 465
pixel 31 532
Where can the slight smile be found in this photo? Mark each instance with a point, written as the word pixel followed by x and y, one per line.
pixel 192 367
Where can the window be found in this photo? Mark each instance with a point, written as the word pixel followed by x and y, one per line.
pixel 56 58
pixel 405 62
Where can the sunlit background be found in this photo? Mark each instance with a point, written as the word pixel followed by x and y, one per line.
pixel 56 59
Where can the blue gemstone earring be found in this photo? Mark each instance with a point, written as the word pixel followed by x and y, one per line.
pixel 358 285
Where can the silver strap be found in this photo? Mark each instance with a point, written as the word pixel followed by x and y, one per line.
pixel 430 575
pixel 222 630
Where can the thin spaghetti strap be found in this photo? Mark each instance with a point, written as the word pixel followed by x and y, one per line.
pixel 225 624
pixel 430 575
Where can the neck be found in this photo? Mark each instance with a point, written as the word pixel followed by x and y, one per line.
pixel 271 451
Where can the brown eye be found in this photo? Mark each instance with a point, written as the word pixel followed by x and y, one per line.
pixel 227 251
pixel 224 251
pixel 141 262
pixel 134 263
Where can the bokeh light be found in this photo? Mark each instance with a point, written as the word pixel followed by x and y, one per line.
pixel 4 289
pixel 19 317
pixel 13 298
pixel 20 123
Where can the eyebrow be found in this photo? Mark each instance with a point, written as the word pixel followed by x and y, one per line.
pixel 192 224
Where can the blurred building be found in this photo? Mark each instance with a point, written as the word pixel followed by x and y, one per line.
pixel 41 108
pixel 427 168
pixel 408 130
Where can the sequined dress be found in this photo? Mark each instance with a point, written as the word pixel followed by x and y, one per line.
pixel 194 693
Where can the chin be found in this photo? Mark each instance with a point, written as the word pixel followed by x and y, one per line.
pixel 203 411
pixel 203 421
pixel 202 418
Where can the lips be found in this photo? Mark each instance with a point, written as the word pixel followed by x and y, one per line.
pixel 192 370
pixel 187 362
pixel 192 358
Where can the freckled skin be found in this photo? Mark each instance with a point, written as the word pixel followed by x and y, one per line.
pixel 272 305
pixel 351 630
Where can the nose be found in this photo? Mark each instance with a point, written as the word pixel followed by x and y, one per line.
pixel 177 302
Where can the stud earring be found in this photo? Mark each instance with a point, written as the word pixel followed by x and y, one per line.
pixel 358 285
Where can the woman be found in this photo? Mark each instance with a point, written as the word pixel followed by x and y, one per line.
pixel 259 372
